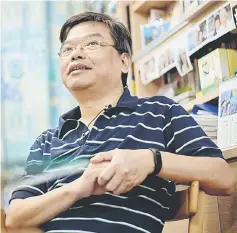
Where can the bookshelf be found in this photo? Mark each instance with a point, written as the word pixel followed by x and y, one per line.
pixel 186 20
pixel 143 7
pixel 139 15
pixel 201 100
pixel 138 18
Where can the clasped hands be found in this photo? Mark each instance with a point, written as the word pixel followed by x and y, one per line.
pixel 116 171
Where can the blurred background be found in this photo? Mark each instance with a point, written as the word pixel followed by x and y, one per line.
pixel 32 95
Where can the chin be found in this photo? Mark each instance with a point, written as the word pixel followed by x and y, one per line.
pixel 79 82
pixel 78 86
pixel 75 86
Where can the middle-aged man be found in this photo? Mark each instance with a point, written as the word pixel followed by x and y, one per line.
pixel 136 148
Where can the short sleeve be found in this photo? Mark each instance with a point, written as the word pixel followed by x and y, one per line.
pixel 34 165
pixel 184 136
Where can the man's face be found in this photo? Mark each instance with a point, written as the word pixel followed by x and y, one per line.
pixel 104 66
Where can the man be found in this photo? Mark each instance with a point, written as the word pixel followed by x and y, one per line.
pixel 137 149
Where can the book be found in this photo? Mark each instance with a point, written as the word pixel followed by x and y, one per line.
pixel 215 66
pixel 208 123
pixel 227 117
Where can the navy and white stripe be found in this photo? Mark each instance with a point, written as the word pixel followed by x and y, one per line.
pixel 134 123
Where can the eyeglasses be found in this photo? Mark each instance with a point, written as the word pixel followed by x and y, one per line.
pixel 87 47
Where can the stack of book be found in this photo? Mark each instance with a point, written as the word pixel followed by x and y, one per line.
pixel 206 115
pixel 209 125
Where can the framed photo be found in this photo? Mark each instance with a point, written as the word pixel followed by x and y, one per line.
pixel 220 22
pixel 149 70
pixel 197 37
pixel 149 33
pixel 202 33
pixel 165 60
pixel 182 60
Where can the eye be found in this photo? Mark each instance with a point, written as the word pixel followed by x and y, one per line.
pixel 92 43
pixel 67 49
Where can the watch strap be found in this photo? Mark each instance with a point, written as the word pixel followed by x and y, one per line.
pixel 157 161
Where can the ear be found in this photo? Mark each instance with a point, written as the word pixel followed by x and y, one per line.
pixel 125 62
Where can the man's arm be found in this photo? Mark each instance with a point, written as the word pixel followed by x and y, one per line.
pixel 34 211
pixel 214 174
pixel 190 156
pixel 129 168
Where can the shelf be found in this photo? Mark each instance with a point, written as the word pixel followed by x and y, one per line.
pixel 230 152
pixel 201 100
pixel 143 7
pixel 158 41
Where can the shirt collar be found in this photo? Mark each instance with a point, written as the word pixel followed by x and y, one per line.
pixel 125 101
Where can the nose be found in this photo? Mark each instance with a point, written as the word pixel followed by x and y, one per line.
pixel 78 54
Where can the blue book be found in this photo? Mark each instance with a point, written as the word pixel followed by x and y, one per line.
pixel 212 109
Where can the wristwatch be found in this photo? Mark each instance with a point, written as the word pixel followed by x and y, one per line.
pixel 157 161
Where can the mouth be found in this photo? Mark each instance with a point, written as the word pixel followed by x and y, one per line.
pixel 78 68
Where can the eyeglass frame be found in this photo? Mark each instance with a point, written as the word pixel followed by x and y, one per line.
pixel 100 44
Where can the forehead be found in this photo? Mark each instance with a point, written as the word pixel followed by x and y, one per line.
pixel 85 29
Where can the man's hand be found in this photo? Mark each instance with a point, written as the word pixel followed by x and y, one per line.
pixel 127 169
pixel 87 184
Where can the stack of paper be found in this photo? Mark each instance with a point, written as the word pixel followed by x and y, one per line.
pixel 209 124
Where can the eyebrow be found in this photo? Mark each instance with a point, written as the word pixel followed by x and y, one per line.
pixel 85 37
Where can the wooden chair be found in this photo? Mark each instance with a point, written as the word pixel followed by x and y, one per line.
pixel 188 205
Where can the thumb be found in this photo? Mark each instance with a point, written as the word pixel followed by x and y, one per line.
pixel 101 157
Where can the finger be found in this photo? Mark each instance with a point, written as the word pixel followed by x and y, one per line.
pixel 106 175
pixel 100 157
pixel 92 174
pixel 114 183
pixel 98 190
pixel 122 188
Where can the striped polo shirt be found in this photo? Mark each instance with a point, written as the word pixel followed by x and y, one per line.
pixel 134 123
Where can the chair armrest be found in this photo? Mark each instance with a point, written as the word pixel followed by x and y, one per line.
pixel 3 219
pixel 193 198
pixel 185 202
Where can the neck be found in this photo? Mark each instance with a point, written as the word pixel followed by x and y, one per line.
pixel 91 102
